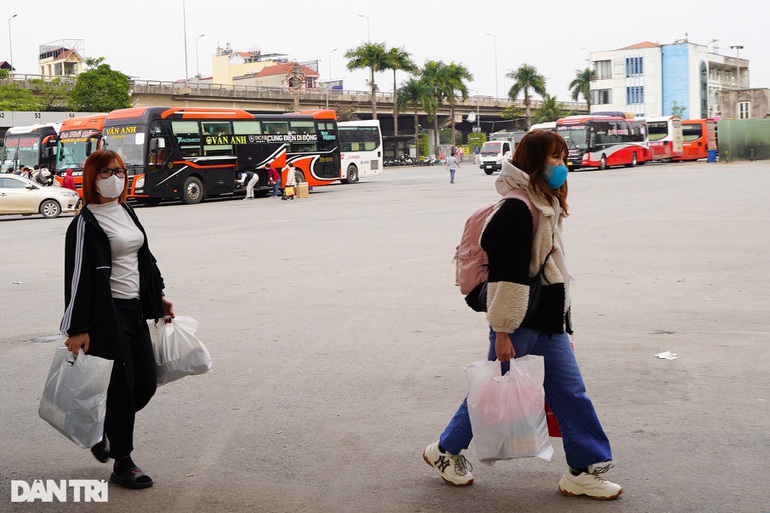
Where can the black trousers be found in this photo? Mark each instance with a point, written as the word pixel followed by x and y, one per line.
pixel 133 379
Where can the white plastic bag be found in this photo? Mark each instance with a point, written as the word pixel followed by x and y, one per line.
pixel 178 352
pixel 507 412
pixel 74 398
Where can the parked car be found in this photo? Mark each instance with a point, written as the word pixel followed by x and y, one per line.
pixel 19 195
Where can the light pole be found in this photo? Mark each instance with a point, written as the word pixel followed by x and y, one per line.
pixel 737 49
pixel 197 69
pixel 184 31
pixel 368 39
pixel 10 41
pixel 494 38
pixel 330 64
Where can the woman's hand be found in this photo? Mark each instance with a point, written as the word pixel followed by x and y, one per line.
pixel 76 342
pixel 168 310
pixel 504 347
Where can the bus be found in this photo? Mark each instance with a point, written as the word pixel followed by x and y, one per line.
pixel 31 146
pixel 360 149
pixel 698 136
pixel 664 138
pixel 190 153
pixel 78 137
pixel 603 141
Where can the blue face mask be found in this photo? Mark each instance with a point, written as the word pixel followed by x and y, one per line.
pixel 555 176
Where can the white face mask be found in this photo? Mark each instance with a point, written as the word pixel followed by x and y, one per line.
pixel 111 187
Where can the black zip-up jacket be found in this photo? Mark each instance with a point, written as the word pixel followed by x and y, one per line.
pixel 89 307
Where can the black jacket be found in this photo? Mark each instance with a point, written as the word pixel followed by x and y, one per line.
pixel 89 307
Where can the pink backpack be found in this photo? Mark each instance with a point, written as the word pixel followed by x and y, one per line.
pixel 471 262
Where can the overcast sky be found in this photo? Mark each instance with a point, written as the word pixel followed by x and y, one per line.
pixel 145 39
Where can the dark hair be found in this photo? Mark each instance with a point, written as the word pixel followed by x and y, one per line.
pixel 531 156
pixel 96 161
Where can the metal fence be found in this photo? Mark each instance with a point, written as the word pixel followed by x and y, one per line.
pixel 743 139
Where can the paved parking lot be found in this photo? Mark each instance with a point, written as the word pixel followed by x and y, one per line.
pixel 339 340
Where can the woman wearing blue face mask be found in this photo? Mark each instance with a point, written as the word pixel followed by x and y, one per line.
pixel 518 244
pixel 111 286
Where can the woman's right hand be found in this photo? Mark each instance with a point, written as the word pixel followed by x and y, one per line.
pixel 75 342
pixel 504 347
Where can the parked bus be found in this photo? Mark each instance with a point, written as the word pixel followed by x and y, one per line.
pixel 360 149
pixel 31 146
pixel 698 136
pixel 664 138
pixel 603 141
pixel 78 137
pixel 190 153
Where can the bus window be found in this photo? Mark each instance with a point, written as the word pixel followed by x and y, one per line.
pixel 327 135
pixel 156 159
pixel 305 134
pixel 213 130
pixel 188 137
pixel 657 130
pixel 276 127
pixel 247 127
pixel 691 133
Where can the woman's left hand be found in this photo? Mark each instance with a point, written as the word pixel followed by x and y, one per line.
pixel 168 310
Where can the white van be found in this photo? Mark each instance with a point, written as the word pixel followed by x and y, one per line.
pixel 492 154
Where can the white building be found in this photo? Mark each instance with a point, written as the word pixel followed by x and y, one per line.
pixel 651 79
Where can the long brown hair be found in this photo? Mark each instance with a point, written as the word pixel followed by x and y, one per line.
pixel 96 161
pixel 531 156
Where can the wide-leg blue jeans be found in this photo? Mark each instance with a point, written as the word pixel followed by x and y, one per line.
pixel 582 435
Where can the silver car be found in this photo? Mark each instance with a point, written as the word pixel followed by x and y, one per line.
pixel 19 195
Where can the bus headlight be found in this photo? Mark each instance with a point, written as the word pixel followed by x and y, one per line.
pixel 139 183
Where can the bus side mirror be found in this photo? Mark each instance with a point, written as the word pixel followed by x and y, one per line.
pixel 157 144
pixel 90 143
pixel 50 152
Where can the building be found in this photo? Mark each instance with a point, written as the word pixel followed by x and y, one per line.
pixel 651 79
pixel 228 64
pixel 292 75
pixel 61 58
pixel 745 103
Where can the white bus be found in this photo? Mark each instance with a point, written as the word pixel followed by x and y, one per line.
pixel 360 149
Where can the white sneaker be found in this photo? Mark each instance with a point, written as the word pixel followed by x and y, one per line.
pixel 455 470
pixel 589 483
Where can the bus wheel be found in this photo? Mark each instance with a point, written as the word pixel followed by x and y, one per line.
pixel 633 160
pixel 352 174
pixel 299 176
pixel 50 208
pixel 603 162
pixel 192 192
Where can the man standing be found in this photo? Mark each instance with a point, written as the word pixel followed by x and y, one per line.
pixel 452 165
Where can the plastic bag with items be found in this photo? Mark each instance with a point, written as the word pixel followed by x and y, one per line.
pixel 74 398
pixel 507 412
pixel 178 352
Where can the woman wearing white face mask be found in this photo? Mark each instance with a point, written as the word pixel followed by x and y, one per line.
pixel 519 241
pixel 112 285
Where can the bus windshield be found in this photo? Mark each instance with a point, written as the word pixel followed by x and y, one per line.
pixel 126 141
pixel 72 150
pixel 657 130
pixel 575 136
pixel 691 132
pixel 20 150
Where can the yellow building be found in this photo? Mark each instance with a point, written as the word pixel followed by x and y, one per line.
pixel 61 58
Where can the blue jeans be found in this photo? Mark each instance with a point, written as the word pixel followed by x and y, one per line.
pixel 582 435
pixel 452 175
pixel 275 189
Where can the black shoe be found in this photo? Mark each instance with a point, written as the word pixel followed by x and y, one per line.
pixel 101 450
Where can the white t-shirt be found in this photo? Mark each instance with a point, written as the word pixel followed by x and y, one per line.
pixel 125 240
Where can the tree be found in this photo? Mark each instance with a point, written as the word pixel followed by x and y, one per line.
pixel 100 88
pixel 456 75
pixel 581 85
pixel 414 93
pixel 52 94
pixel 399 59
pixel 434 78
pixel 549 111
pixel 372 56
pixel 13 97
pixel 525 78
pixel 677 110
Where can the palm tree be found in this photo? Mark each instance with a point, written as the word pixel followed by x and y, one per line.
pixel 582 85
pixel 372 56
pixel 434 79
pixel 550 110
pixel 415 94
pixel 399 59
pixel 456 75
pixel 525 78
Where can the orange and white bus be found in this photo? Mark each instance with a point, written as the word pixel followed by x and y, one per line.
pixel 78 137
pixel 664 137
pixel 190 153
pixel 603 141
pixel 698 136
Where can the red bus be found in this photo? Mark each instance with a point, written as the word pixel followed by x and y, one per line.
pixel 698 136
pixel 190 153
pixel 31 146
pixel 603 141
pixel 78 137
pixel 664 138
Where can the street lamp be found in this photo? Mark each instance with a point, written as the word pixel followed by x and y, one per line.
pixel 330 64
pixel 197 69
pixel 737 49
pixel 10 41
pixel 368 39
pixel 494 37
pixel 184 33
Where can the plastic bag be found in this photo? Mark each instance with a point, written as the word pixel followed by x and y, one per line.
pixel 74 398
pixel 507 412
pixel 178 352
